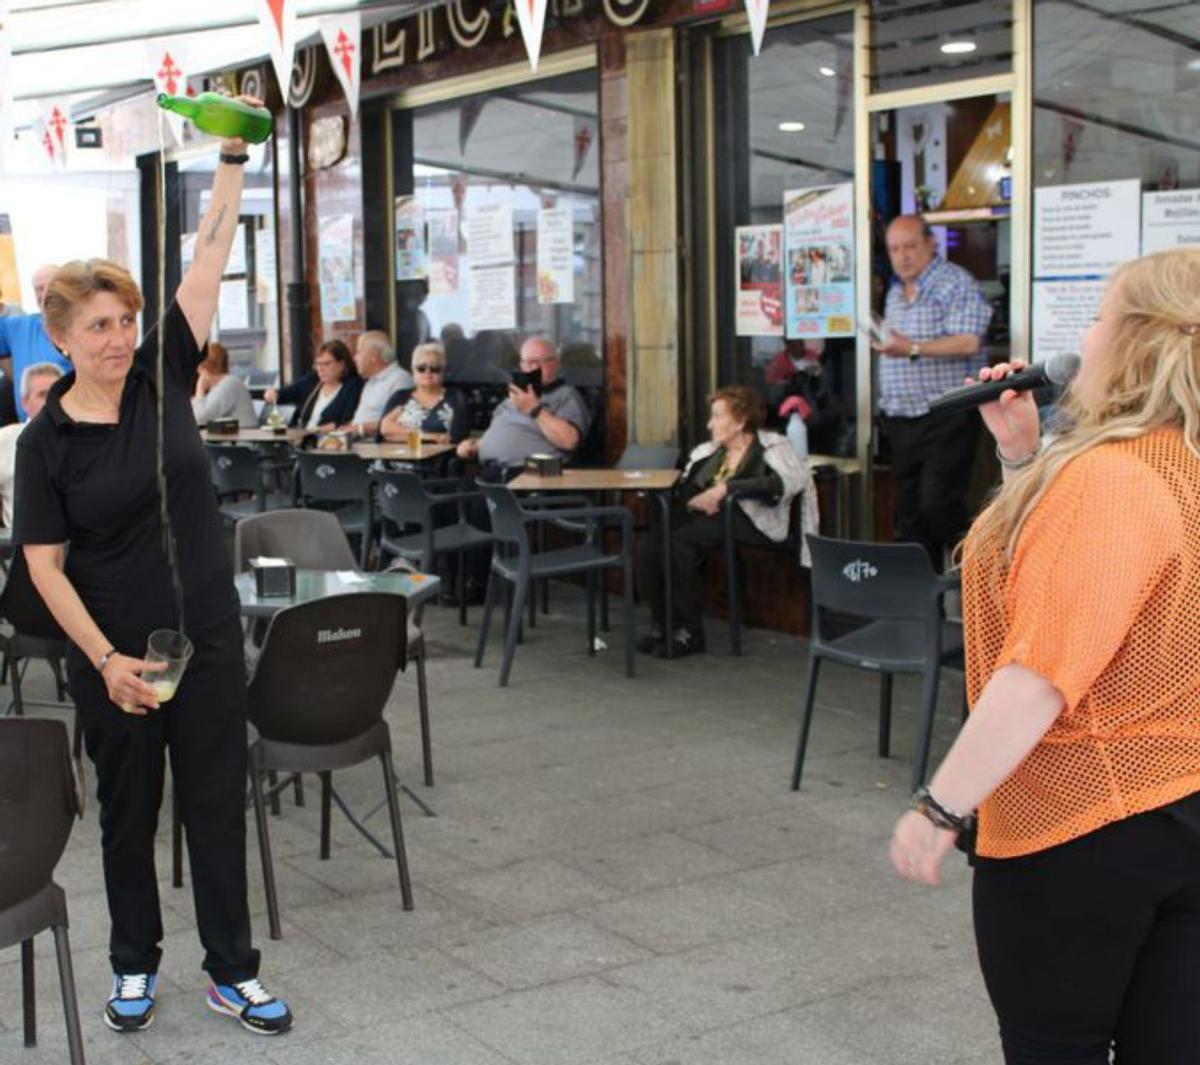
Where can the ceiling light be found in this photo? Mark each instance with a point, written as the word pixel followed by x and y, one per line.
pixel 958 47
pixel 791 127
pixel 828 72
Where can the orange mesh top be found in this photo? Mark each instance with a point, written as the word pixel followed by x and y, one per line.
pixel 1103 599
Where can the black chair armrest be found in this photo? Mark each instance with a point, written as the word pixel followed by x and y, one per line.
pixel 583 513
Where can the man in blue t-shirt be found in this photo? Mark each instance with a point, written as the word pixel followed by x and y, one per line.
pixel 23 339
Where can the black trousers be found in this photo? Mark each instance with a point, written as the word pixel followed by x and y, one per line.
pixel 204 731
pixel 932 458
pixel 1096 943
pixel 694 537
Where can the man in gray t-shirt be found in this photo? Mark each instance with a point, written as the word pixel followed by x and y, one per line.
pixel 528 424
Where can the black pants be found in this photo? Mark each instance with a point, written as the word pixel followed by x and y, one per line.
pixel 1097 942
pixel 932 458
pixel 694 536
pixel 204 729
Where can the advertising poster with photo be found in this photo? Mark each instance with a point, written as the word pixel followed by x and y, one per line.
pixel 1170 219
pixel 818 266
pixel 555 255
pixel 759 309
pixel 441 224
pixel 411 263
pixel 335 243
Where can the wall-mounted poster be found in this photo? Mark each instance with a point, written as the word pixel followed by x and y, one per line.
pixel 818 234
pixel 335 244
pixel 442 226
pixel 492 299
pixel 555 255
pixel 1170 219
pixel 760 281
pixel 410 240
pixel 1085 230
pixel 490 234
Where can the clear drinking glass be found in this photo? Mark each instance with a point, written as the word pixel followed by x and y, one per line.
pixel 414 440
pixel 173 648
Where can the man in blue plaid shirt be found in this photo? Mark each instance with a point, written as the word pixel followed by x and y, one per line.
pixel 936 316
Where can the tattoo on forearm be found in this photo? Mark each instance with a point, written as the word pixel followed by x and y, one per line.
pixel 216 226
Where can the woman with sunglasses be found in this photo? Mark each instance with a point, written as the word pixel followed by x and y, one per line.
pixel 430 406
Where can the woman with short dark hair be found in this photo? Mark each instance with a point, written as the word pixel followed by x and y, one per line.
pixel 327 396
pixel 742 457
pixel 88 477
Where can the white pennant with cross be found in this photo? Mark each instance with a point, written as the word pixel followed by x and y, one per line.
pixel 278 20
pixel 531 15
pixel 167 61
pixel 342 35
pixel 756 10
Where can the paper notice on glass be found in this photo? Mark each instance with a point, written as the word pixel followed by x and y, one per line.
pixel 236 263
pixel 492 299
pixel 232 309
pixel 759 251
pixel 818 235
pixel 1085 230
pixel 1062 311
pixel 264 279
pixel 1170 219
pixel 555 255
pixel 187 251
pixel 490 234
pixel 335 241
pixel 442 227
pixel 411 263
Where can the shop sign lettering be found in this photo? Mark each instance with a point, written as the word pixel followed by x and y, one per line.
pixel 466 24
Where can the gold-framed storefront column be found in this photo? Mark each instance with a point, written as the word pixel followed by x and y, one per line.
pixel 864 364
pixel 1021 226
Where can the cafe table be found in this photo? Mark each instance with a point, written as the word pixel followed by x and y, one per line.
pixel 254 436
pixel 385 452
pixel 657 483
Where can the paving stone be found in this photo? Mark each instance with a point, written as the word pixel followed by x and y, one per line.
pixel 526 889
pixel 648 862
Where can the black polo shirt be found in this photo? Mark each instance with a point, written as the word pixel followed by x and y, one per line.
pixel 94 487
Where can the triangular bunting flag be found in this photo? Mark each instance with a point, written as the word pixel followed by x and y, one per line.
pixel 757 12
pixel 167 62
pixel 278 19
pixel 585 134
pixel 342 35
pixel 468 116
pixel 55 131
pixel 531 14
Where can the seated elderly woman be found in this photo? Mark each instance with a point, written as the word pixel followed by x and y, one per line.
pixel 761 469
pixel 220 394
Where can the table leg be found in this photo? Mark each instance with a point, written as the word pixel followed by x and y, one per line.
pixel 664 501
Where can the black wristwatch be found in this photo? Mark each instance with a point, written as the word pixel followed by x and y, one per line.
pixel 234 160
pixel 538 408
pixel 914 352
pixel 942 816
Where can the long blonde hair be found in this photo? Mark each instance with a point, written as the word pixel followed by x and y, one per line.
pixel 1151 380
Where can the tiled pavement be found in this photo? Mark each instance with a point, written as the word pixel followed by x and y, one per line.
pixel 617 875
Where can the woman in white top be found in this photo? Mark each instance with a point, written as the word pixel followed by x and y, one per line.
pixel 220 394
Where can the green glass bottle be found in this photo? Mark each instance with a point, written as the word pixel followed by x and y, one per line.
pixel 221 116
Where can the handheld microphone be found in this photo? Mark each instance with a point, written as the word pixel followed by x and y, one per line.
pixel 1056 370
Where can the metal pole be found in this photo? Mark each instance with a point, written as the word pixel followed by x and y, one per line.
pixel 297 289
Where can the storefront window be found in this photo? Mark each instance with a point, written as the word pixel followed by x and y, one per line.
pixel 1116 150
pixel 247 320
pixel 507 194
pixel 785 131
pixel 918 42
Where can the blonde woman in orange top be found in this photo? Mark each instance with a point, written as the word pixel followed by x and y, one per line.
pixel 1081 603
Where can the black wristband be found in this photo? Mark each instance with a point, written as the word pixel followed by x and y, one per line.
pixel 234 160
pixel 537 409
pixel 925 804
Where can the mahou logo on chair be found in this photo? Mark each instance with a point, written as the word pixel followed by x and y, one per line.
pixel 859 570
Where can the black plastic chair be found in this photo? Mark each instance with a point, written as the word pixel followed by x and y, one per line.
pixel 40 797
pixel 341 483
pixel 35 636
pixel 410 502
pixel 317 700
pixel 312 539
pixel 792 547
pixel 894 588
pixel 514 561
pixel 237 472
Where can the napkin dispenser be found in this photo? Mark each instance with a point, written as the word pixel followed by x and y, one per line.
pixel 223 426
pixel 273 577
pixel 544 465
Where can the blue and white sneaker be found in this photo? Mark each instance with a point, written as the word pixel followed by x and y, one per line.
pixel 131 1007
pixel 248 1002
